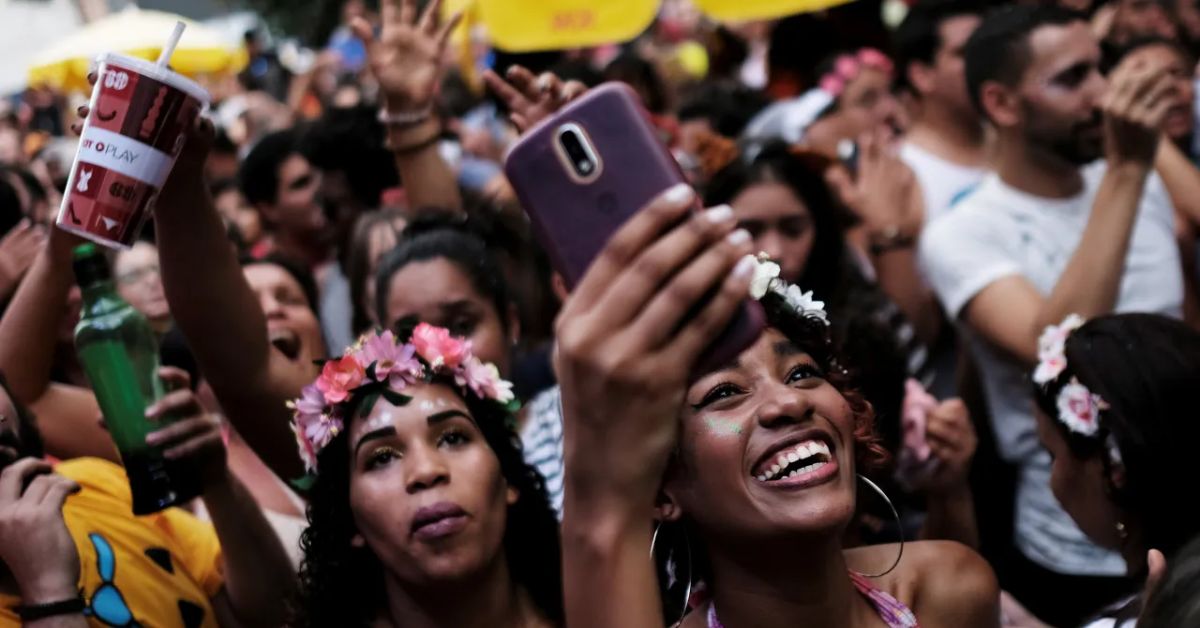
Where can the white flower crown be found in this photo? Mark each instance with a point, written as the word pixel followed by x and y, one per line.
pixel 766 279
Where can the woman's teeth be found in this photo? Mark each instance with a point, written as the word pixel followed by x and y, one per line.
pixel 799 460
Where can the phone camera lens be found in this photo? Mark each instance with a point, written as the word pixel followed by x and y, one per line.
pixel 573 144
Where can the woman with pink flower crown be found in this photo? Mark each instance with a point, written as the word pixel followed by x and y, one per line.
pixel 1116 410
pixel 422 511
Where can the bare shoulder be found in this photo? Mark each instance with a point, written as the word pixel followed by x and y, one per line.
pixel 953 585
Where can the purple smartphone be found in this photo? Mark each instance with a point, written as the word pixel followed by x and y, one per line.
pixel 583 172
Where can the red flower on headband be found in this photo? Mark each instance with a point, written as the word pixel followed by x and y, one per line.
pixel 339 377
pixel 438 347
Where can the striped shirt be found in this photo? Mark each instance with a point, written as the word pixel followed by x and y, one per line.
pixel 542 439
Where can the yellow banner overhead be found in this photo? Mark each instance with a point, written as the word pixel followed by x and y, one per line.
pixel 532 25
pixel 741 10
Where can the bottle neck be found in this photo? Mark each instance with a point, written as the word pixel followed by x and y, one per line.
pixel 96 291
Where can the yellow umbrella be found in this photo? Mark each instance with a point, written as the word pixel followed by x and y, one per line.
pixel 137 33
pixel 739 10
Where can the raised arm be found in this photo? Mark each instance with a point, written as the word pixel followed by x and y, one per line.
pixel 18 248
pixel 1010 312
pixel 892 207
pixel 221 316
pixel 258 575
pixel 1181 178
pixel 627 340
pixel 407 60
pixel 28 335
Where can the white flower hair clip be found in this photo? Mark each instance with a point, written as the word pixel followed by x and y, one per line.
pixel 1052 345
pixel 766 279
pixel 1078 408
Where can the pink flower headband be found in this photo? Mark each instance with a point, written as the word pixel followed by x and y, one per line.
pixel 847 67
pixel 1078 408
pixel 379 365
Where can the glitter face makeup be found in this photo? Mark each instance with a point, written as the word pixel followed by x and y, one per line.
pixel 722 427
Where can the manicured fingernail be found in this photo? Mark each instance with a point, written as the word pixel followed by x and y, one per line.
pixel 679 193
pixel 745 267
pixel 739 237
pixel 718 214
pixel 152 438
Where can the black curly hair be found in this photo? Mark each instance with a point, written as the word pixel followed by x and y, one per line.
pixel 1146 368
pixel 342 585
pixel 812 336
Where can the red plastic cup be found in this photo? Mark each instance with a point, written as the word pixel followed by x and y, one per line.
pixel 139 119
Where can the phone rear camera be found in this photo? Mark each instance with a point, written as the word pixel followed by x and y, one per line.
pixel 574 145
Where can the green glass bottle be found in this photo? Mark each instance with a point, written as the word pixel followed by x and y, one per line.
pixel 119 353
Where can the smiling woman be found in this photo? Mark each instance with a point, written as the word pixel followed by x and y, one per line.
pixel 423 511
pixel 750 471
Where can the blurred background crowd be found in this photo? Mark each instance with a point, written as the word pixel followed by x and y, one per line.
pixel 944 199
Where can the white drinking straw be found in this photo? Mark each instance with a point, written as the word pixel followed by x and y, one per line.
pixel 173 41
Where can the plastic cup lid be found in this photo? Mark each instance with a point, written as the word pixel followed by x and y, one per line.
pixel 150 69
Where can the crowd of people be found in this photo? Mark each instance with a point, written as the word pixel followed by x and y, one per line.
pixel 972 232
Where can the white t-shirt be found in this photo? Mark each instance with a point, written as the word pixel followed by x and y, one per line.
pixel 997 232
pixel 943 182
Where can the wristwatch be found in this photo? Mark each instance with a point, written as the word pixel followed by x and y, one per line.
pixel 890 238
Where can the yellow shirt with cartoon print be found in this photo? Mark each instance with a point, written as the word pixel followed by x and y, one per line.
pixel 156 570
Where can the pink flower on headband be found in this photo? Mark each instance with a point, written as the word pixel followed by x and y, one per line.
pixel 310 404
pixel 312 424
pixel 308 454
pixel 339 377
pixel 832 84
pixel 1052 359
pixel 871 57
pixel 378 366
pixel 438 347
pixel 483 378
pixel 392 361
pixel 1079 409
pixel 846 67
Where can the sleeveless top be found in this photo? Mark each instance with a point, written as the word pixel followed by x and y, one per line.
pixel 893 612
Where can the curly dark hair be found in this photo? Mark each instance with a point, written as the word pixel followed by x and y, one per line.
pixel 1146 367
pixel 342 585
pixel 813 337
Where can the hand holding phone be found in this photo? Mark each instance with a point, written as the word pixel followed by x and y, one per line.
pixel 589 168
pixel 667 283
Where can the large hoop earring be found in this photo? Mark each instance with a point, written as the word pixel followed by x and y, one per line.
pixel 687 594
pixel 899 526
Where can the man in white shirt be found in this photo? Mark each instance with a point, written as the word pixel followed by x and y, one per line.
pixel 1047 235
pixel 945 144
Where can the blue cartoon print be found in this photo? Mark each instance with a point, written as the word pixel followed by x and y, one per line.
pixel 107 603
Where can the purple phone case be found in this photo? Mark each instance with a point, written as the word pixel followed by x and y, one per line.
pixel 573 220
